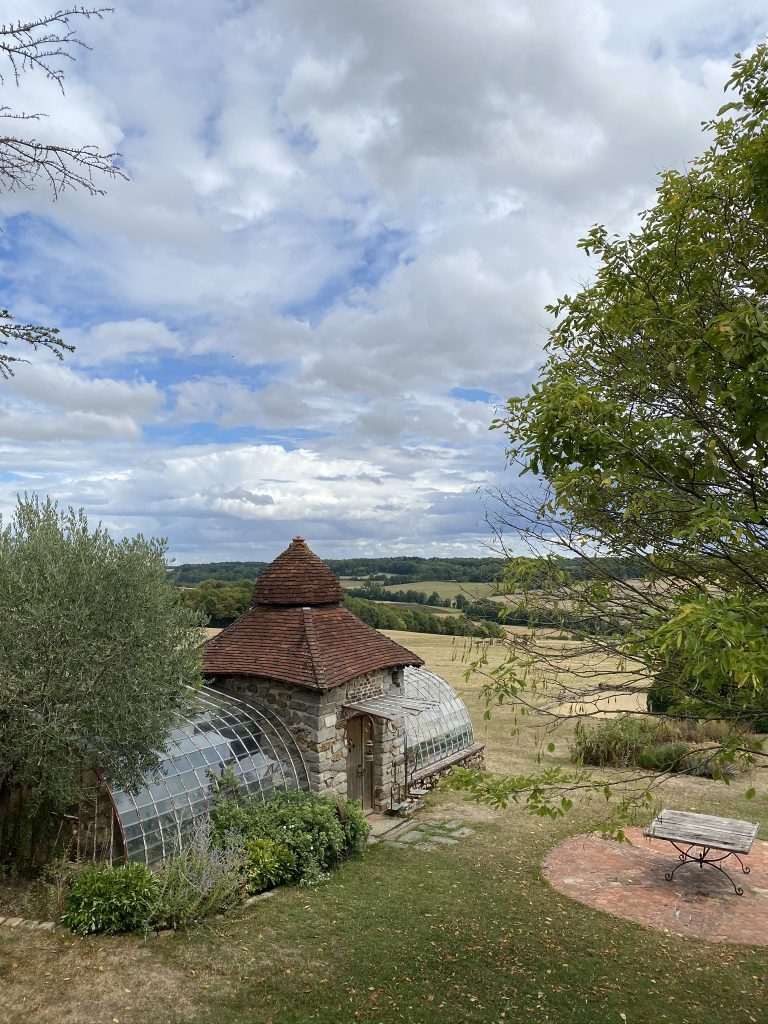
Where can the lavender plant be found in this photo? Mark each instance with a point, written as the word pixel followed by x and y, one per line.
pixel 200 880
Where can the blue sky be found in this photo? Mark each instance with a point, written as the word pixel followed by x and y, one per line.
pixel 330 263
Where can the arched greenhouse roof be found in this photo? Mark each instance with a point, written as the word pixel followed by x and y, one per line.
pixel 221 733
pixel 437 723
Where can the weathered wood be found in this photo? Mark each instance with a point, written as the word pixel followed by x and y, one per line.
pixel 706 830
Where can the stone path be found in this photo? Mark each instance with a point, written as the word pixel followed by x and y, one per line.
pixel 628 881
pixel 424 835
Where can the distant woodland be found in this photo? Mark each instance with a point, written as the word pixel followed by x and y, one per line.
pixel 222 591
pixel 403 570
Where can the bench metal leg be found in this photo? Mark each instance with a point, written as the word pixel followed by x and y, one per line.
pixel 701 858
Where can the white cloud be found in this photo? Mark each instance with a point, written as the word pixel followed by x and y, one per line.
pixel 121 340
pixel 59 387
pixel 338 212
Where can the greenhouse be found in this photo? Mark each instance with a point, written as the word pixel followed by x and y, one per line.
pixel 222 733
pixel 300 694
pixel 437 724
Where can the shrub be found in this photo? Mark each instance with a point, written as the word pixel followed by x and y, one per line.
pixel 307 823
pixel 202 879
pixel 713 764
pixel 615 743
pixel 109 900
pixel 232 816
pixel 666 757
pixel 269 864
pixel 56 877
pixel 356 826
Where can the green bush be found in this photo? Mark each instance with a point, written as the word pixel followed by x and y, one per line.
pixel 307 823
pixel 202 879
pixel 356 826
pixel 666 757
pixel 269 864
pixel 109 900
pixel 615 742
pixel 710 764
pixel 232 816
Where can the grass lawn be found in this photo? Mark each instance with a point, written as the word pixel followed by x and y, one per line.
pixel 472 934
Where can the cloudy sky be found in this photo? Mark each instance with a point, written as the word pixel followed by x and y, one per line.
pixel 343 221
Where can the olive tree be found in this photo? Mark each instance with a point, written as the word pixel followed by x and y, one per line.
pixel 648 431
pixel 97 656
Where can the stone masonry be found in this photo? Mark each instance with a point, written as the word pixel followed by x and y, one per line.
pixel 318 722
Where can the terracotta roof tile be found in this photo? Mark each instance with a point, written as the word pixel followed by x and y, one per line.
pixel 297 577
pixel 297 632
pixel 318 648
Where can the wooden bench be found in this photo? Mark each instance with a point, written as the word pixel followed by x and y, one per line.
pixel 704 834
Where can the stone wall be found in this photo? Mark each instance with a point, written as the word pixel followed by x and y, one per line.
pixel 430 775
pixel 318 722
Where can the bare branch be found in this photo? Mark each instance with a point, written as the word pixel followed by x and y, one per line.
pixel 43 44
pixel 23 162
pixel 35 45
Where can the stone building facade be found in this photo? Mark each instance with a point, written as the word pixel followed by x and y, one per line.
pixel 298 651
pixel 322 724
pixel 336 683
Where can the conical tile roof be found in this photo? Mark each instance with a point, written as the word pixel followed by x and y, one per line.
pixel 297 631
pixel 297 577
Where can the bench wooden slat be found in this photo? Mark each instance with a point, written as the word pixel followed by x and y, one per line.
pixel 694 829
pixel 705 819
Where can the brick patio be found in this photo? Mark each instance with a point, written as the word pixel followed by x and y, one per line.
pixel 628 881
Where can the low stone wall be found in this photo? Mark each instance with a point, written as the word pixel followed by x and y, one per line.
pixel 430 774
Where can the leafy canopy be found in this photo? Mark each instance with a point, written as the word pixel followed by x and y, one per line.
pixel 649 424
pixel 97 654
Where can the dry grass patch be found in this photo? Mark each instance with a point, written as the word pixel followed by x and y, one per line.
pixel 513 740
pixel 60 979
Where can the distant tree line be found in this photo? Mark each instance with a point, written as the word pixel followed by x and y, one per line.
pixel 409 570
pixel 372 590
pixel 382 616
pixel 223 602
pixel 190 574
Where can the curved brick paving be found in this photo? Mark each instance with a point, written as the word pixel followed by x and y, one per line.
pixel 628 881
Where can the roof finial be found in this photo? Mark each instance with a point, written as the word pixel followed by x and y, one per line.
pixel 299 540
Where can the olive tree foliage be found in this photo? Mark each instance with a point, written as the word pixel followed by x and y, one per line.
pixel 42 45
pixel 648 430
pixel 97 655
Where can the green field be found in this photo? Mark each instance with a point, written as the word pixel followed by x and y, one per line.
pixel 443 588
pixel 429 609
pixel 473 934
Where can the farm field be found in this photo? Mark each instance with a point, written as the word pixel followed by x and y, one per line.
pixel 443 588
pixel 447 588
pixel 473 934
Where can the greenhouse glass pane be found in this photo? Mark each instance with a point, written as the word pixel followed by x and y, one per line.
pixel 439 729
pixel 222 732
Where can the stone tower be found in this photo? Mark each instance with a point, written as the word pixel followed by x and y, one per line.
pixel 325 673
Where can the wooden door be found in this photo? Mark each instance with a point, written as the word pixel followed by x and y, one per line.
pixel 360 756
